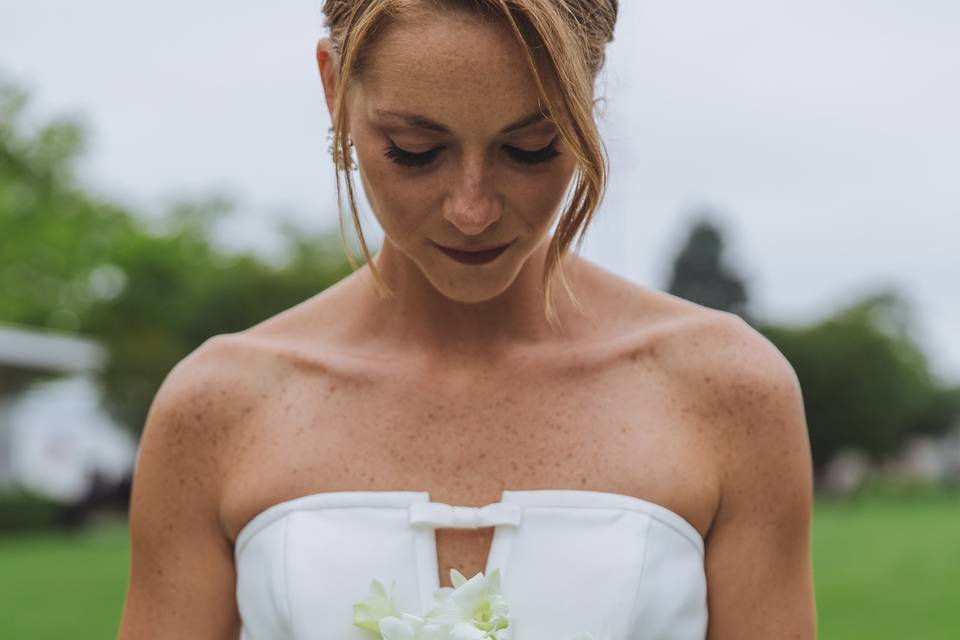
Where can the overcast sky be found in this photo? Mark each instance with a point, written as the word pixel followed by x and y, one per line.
pixel 825 133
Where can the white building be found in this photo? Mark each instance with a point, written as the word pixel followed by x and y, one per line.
pixel 53 434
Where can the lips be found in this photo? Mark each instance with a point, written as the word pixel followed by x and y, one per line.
pixel 474 257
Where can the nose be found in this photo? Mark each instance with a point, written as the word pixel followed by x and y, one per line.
pixel 472 203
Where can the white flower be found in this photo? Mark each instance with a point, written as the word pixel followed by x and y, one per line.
pixel 475 608
pixel 411 627
pixel 368 612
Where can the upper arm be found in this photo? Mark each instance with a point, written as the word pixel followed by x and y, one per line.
pixel 182 580
pixel 758 558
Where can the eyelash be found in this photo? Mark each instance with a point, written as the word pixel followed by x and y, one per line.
pixel 409 159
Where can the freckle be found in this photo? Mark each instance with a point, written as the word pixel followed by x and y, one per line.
pixel 583 480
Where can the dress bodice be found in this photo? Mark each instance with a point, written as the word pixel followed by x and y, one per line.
pixel 570 560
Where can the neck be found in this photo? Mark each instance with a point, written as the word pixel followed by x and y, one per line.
pixel 421 317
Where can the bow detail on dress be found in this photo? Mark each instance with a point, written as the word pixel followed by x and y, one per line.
pixel 439 514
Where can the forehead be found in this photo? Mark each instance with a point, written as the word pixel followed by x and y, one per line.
pixel 456 68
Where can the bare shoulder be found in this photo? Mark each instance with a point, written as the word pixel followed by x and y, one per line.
pixel 181 567
pixel 758 558
pixel 209 386
pixel 724 368
pixel 749 393
pixel 727 370
pixel 192 420
pixel 733 367
pixel 229 368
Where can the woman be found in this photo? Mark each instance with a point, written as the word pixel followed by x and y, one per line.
pixel 647 458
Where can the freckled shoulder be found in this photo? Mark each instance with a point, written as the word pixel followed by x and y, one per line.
pixel 726 358
pixel 758 545
pixel 219 380
pixel 725 362
pixel 731 378
pixel 181 569
pixel 748 393
pixel 200 407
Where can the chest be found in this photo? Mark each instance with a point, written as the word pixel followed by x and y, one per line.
pixel 466 435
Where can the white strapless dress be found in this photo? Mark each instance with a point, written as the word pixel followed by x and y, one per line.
pixel 570 560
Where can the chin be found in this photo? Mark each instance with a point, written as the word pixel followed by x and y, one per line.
pixel 471 294
pixel 472 288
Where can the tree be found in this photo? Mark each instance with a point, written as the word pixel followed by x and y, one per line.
pixel 700 274
pixel 52 234
pixel 866 384
pixel 78 263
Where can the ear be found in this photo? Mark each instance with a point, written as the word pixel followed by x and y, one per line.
pixel 327 61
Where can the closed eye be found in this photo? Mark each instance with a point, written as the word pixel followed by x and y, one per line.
pixel 409 158
pixel 537 156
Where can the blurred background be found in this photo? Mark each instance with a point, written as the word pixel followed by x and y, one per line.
pixel 164 177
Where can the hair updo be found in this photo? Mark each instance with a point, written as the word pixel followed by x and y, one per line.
pixel 564 43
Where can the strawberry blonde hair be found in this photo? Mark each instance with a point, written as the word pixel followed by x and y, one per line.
pixel 564 42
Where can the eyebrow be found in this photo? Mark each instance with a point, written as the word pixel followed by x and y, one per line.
pixel 422 122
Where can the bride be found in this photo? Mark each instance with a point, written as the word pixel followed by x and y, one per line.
pixel 476 398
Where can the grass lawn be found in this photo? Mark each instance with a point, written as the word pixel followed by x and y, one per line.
pixel 55 585
pixel 886 566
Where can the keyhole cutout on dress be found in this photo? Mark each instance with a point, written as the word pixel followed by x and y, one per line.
pixel 466 550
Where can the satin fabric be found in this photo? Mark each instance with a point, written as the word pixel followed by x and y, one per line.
pixel 570 561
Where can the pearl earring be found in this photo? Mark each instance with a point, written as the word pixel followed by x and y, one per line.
pixel 330 150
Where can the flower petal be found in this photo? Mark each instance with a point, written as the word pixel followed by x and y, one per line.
pixel 392 628
pixel 368 612
pixel 456 578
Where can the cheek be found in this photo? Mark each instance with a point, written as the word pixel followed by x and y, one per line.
pixel 539 196
pixel 402 206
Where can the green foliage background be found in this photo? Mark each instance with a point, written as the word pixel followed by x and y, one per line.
pixel 151 290
pixel 866 383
